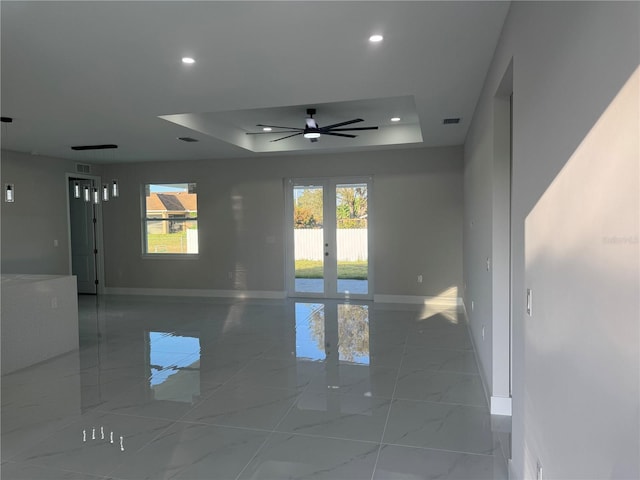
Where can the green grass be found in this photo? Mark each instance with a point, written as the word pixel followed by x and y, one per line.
pixel 167 242
pixel 346 270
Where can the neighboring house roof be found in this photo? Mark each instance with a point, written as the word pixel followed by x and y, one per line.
pixel 172 202
pixel 188 200
pixel 154 203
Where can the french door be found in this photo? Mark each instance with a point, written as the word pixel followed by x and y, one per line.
pixel 328 237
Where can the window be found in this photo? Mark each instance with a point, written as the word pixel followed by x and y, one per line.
pixel 171 219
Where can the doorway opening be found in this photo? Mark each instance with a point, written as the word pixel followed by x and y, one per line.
pixel 85 235
pixel 502 290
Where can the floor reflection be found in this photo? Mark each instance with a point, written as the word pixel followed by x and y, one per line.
pixel 353 334
pixel 320 327
pixel 337 335
pixel 310 331
pixel 174 366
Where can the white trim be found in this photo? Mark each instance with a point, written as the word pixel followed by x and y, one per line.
pixel 181 292
pixel 501 406
pixel 511 468
pixel 170 256
pixel 418 300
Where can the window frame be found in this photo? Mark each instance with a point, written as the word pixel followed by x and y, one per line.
pixel 145 219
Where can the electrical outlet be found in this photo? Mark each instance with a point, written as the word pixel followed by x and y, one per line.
pixel 539 471
pixel 488 264
pixel 56 243
pixel 483 332
pixel 419 278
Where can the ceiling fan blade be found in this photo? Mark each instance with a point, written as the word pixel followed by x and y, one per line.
pixel 348 122
pixel 288 136
pixel 276 126
pixel 352 129
pixel 339 134
pixel 267 133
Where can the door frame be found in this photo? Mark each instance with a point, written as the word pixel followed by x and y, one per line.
pixel 330 274
pixel 97 182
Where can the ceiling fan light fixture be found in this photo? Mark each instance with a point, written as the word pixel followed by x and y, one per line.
pixel 311 135
pixel 266 129
pixel 395 119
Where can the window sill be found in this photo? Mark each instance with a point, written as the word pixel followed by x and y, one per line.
pixel 170 256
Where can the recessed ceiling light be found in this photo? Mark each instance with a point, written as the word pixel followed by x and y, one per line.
pixel 188 60
pixel 395 119
pixel 267 129
pixel 375 38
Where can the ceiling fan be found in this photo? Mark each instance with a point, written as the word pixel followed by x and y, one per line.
pixel 312 130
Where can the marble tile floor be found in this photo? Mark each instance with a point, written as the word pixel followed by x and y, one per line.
pixel 194 388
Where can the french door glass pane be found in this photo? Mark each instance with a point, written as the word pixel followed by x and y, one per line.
pixel 351 238
pixel 308 238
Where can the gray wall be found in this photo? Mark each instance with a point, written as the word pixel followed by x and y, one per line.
pixel 417 225
pixel 582 353
pixel 569 62
pixel 417 219
pixel 37 217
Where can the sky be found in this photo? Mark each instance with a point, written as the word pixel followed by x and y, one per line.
pixel 166 187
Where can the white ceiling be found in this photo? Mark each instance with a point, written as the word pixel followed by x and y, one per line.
pixel 81 73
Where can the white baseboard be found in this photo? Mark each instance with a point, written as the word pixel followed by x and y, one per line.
pixel 501 406
pixel 274 295
pixel 418 300
pixel 181 292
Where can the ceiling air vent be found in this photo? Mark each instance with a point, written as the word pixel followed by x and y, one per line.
pixel 94 147
pixel 83 168
pixel 188 139
pixel 451 121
